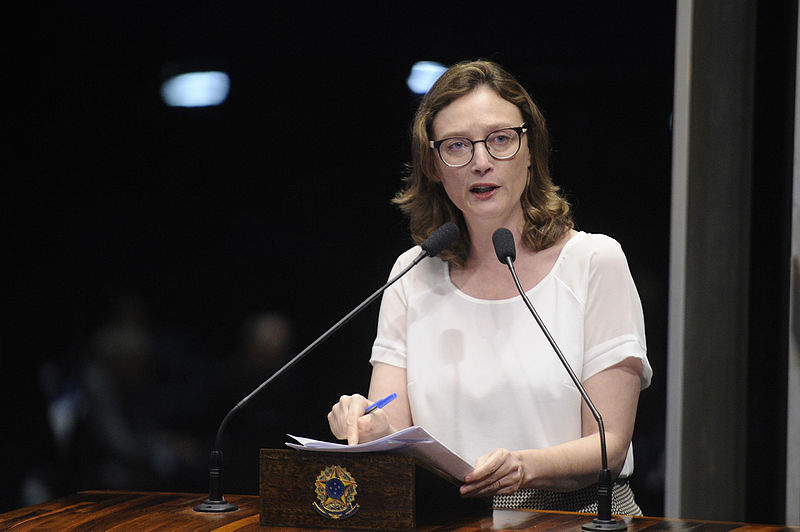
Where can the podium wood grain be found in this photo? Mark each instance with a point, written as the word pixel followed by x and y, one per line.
pixel 146 511
pixel 385 490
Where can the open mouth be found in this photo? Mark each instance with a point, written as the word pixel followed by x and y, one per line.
pixel 483 189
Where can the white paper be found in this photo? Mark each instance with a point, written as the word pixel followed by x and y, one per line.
pixel 414 441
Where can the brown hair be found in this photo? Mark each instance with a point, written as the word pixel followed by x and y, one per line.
pixel 423 199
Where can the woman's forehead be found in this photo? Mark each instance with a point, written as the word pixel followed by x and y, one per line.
pixel 481 110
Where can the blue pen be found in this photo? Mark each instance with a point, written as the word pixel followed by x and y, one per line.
pixel 380 403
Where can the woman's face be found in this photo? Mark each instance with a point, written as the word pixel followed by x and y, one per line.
pixel 486 190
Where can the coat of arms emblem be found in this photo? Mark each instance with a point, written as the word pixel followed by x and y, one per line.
pixel 336 493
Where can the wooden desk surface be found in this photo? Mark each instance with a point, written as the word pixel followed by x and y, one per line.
pixel 106 510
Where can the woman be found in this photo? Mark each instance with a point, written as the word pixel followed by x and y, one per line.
pixel 455 340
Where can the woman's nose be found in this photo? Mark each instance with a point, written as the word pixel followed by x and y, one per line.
pixel 481 160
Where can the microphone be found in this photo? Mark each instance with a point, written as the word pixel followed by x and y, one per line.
pixel 506 252
pixel 437 242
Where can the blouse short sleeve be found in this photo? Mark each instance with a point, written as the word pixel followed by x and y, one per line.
pixel 613 319
pixel 390 341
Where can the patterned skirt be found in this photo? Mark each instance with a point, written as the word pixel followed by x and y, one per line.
pixel 583 500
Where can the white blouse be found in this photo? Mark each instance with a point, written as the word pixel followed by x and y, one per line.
pixel 482 375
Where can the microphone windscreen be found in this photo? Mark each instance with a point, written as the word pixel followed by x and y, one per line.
pixel 440 239
pixel 504 246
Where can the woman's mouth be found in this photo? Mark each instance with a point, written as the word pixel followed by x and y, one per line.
pixel 483 190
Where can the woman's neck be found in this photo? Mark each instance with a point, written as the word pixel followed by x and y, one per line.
pixel 483 276
pixel 481 251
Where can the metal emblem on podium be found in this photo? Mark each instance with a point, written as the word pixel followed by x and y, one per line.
pixel 336 493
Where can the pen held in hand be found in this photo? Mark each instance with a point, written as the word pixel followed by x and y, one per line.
pixel 380 403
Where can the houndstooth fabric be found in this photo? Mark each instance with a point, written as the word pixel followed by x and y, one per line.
pixel 583 500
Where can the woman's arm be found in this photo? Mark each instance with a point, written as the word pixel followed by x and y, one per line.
pixel 347 419
pixel 575 464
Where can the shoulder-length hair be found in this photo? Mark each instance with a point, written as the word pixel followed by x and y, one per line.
pixel 423 199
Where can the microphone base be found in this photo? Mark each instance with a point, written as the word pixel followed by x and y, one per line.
pixel 605 524
pixel 210 506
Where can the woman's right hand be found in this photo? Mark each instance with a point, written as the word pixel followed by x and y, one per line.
pixel 347 420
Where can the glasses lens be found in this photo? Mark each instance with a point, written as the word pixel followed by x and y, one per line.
pixel 503 143
pixel 456 151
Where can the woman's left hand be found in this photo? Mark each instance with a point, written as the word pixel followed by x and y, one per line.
pixel 501 472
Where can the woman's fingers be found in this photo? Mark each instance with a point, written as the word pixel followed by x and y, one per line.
pixel 347 420
pixel 344 415
pixel 499 472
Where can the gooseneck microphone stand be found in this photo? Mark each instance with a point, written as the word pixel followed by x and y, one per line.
pixel 440 239
pixel 506 252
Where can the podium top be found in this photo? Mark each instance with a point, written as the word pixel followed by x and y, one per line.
pixel 102 510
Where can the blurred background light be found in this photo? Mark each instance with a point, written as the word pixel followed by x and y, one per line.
pixel 423 75
pixel 196 89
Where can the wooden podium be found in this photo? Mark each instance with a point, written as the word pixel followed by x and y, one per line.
pixel 374 491
pixel 158 511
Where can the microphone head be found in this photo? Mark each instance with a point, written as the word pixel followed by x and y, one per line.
pixel 440 239
pixel 504 246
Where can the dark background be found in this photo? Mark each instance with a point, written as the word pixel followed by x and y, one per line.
pixel 161 231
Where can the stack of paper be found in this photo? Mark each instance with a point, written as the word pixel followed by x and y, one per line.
pixel 414 441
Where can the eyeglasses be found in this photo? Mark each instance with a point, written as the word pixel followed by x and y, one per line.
pixel 501 144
